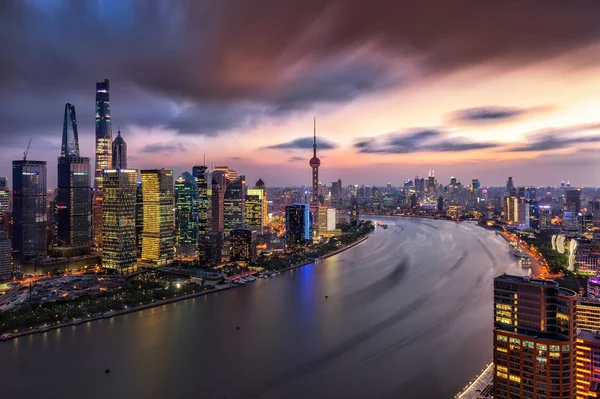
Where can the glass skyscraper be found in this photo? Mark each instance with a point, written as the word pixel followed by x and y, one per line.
pixel 234 206
pixel 203 179
pixel 118 219
pixel 73 201
pixel 157 236
pixel 29 209
pixel 103 155
pixel 297 225
pixel 186 210
pixel 119 153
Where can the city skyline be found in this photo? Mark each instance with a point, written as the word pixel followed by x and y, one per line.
pixel 390 104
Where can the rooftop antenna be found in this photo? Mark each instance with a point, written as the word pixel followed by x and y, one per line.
pixel 26 151
pixel 315 138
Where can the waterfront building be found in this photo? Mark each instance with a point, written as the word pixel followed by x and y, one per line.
pixel 157 235
pixel 73 200
pixel 331 219
pixel 5 257
pixel 240 245
pixel 119 219
pixel 210 248
pixel 534 339
pixel 203 180
pixel 139 218
pixel 29 209
pixel 297 225
pixel 321 220
pixel 119 153
pixel 234 209
pixel 186 211
pixel 103 155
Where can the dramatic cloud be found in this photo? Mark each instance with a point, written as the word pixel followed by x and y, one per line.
pixel 488 114
pixel 304 143
pixel 163 147
pixel 560 138
pixel 427 140
pixel 295 159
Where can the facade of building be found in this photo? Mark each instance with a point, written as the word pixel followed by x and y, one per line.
pixel 73 200
pixel 588 348
pixel 254 210
pixel 5 257
pixel 219 184
pixel 119 153
pixel 297 225
pixel 511 209
pixel 118 219
pixel 157 236
pixel 203 180
pixel 321 220
pixel 240 242
pixel 139 218
pixel 573 200
pixel 4 196
pixel 234 209
pixel 534 339
pixel 210 248
pixel 30 239
pixel 186 211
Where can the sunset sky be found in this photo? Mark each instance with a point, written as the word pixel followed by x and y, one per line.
pixel 470 88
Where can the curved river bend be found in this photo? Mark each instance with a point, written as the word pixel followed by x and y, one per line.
pixel 408 315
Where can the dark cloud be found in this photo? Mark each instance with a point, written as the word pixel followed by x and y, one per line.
pixel 303 143
pixel 559 138
pixel 204 66
pixel 425 140
pixel 295 159
pixel 488 114
pixel 163 147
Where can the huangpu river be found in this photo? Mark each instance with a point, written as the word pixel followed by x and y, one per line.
pixel 405 314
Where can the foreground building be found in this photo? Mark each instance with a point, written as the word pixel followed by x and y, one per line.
pixel 30 236
pixel 118 219
pixel 588 348
pixel 240 245
pixel 297 226
pixel 157 236
pixel 534 339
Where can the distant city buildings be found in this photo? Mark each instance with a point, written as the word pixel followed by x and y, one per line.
pixel 157 236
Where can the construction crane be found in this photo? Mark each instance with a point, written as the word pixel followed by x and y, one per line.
pixel 26 151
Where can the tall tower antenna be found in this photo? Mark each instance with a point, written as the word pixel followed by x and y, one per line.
pixel 315 138
pixel 26 151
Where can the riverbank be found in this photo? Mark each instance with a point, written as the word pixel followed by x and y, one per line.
pixel 156 303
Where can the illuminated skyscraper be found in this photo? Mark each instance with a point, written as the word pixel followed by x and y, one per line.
pixel 4 195
pixel 5 256
pixel 186 211
pixel 157 236
pixel 321 220
pixel 234 209
pixel 29 209
pixel 119 153
pixel 139 218
pixel 534 339
pixel 103 156
pixel 588 347
pixel 203 180
pixel 73 201
pixel 297 225
pixel 118 219
pixel 256 207
pixel 240 245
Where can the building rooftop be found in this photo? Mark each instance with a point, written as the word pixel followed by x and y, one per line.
pixel 526 279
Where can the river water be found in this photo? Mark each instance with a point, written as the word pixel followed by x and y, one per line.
pixel 408 314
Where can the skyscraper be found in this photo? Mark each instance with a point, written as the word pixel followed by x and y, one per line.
pixel 118 219
pixel 103 156
pixel 573 200
pixel 139 218
pixel 234 209
pixel 186 211
pixel 157 236
pixel 510 187
pixel 219 184
pixel 103 132
pixel 336 192
pixel 5 256
pixel 4 195
pixel 119 153
pixel 588 347
pixel 29 209
pixel 256 202
pixel 203 180
pixel 74 191
pixel 297 225
pixel 534 339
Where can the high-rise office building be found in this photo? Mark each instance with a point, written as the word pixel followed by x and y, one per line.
pixel 240 245
pixel 219 182
pixel 534 339
pixel 29 209
pixel 119 152
pixel 354 213
pixel 4 195
pixel 5 256
pixel 254 210
pixel 186 211
pixel 74 192
pixel 511 209
pixel 103 156
pixel 234 209
pixel 588 348
pixel 336 192
pixel 210 248
pixel 573 201
pixel 119 219
pixel 139 218
pixel 297 225
pixel 510 187
pixel 229 174
pixel 321 220
pixel 157 236
pixel 203 180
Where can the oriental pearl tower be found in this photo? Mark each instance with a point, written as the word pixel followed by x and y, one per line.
pixel 314 164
